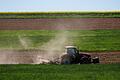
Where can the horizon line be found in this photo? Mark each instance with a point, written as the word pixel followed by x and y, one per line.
pixel 54 11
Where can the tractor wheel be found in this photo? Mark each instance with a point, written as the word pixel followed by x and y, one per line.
pixel 65 59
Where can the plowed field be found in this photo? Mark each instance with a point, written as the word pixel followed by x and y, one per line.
pixel 58 24
pixel 30 57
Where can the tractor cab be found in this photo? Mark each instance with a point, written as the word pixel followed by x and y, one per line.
pixel 71 50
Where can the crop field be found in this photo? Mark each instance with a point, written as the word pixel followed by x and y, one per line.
pixel 86 40
pixel 26 36
pixel 60 72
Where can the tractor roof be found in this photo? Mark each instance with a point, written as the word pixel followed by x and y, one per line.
pixel 70 47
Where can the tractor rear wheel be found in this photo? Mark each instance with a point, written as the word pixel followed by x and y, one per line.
pixel 65 59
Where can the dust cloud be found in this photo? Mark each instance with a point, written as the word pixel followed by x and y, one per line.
pixel 50 51
pixel 16 57
pixel 55 47
pixel 24 42
pixel 47 52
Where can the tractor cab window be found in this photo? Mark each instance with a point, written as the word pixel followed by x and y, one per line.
pixel 71 51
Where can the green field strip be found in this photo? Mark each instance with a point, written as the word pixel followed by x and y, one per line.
pixel 86 40
pixel 60 72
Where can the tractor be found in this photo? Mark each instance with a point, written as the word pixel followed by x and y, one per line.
pixel 73 56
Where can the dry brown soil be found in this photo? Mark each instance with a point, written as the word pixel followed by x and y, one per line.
pixel 32 57
pixel 53 24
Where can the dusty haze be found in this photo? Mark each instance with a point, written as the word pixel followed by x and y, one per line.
pixel 48 51
pixel 55 47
